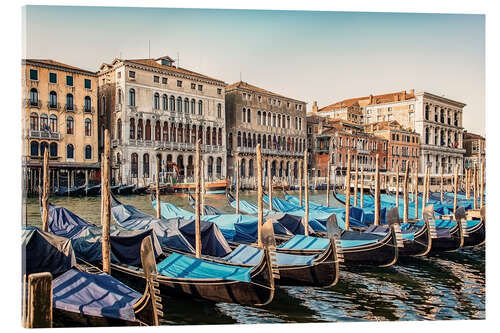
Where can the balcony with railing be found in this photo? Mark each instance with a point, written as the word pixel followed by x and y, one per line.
pixel 33 104
pixel 88 109
pixel 44 135
pixel 53 106
pixel 70 108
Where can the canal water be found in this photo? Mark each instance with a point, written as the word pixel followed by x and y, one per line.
pixel 438 287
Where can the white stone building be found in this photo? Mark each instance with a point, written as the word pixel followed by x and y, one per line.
pixel 154 108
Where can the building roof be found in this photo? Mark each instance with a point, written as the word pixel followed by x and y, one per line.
pixel 346 103
pixel 247 86
pixel 50 62
pixel 370 100
pixel 468 135
pixel 180 70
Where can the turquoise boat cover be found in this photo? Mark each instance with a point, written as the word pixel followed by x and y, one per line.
pixel 249 255
pixel 313 243
pixel 186 267
pixel 97 295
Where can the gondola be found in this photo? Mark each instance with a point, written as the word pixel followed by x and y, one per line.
pixel 140 190
pixel 126 189
pixel 358 247
pixel 476 230
pixel 179 274
pixel 114 189
pixel 93 190
pixel 296 267
pixel 82 294
pixel 74 191
pixel 450 234
pixel 209 210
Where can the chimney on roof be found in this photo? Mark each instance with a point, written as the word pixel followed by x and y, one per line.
pixel 412 92
pixel 371 99
pixel 315 106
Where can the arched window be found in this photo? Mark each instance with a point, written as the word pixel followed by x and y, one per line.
pixel 427 112
pixel 119 96
pixel 186 133
pixel 70 151
pixel 172 103
pixel 214 136
pixel 238 140
pixel 287 121
pixel 220 137
pixel 156 101
pixel 148 130
pixel 242 168
pixel 140 129
pixel 179 104
pixel 193 134
pixel 244 139
pixel 208 141
pixel 279 120
pixel 230 141
pixel 53 99
pixel 264 142
pixel 193 106
pixel 258 139
pixel 210 166
pixel 219 110
pixel 264 119
pixel 34 97
pixel 53 149
pixel 53 123
pixel 427 135
pixel 249 113
pixel 455 119
pixel 88 127
pixel 132 128
pixel 134 163
pixel 157 131
pixel 269 119
pixel 259 118
pixel 244 115
pixel 442 116
pixel 172 132
pixel 87 104
pixel 250 168
pixel 34 121
pixel 218 167
pixel 249 140
pixel 200 134
pixel 164 102
pixel 186 105
pixel 131 97
pixel 43 146
pixel 179 133
pixel 165 131
pixel 145 165
pixel 200 108
pixel 34 148
pixel 88 152
pixel 119 129
pixel 274 120
pixel 44 122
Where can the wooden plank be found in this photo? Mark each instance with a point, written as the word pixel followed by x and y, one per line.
pixel 106 205
pixel 39 311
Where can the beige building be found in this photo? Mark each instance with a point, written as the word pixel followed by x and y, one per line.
pixel 154 108
pixel 255 115
pixel 59 115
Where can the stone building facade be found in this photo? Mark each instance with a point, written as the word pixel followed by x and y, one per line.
pixel 403 146
pixel 475 150
pixel 154 108
pixel 255 115
pixel 59 114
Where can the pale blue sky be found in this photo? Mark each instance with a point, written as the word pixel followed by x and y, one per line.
pixel 323 56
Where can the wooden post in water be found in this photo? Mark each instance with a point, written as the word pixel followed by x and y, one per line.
pixel 428 184
pixel 45 192
pixel 348 190
pixel 39 302
pixel 237 175
pixel 475 186
pixel 362 190
pixel 397 186
pixel 415 193
pixel 377 192
pixel 306 189
pixel 328 170
pixel 203 189
pixel 424 179
pixel 270 184
pixel 467 184
pixel 260 205
pixel 197 180
pixel 356 183
pixel 158 205
pixel 456 190
pixel 482 185
pixel 300 183
pixel 106 207
pixel 405 195
pixel 441 184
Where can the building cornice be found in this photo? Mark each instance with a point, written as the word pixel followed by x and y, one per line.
pixel 59 68
pixel 441 99
pixel 237 89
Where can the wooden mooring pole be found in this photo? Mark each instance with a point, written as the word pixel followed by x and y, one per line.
pixel 300 183
pixel 106 207
pixel 455 199
pixel 45 192
pixel 348 191
pixel 197 177
pixel 270 184
pixel 441 184
pixel 158 201
pixel 405 195
pixel 362 190
pixel 203 188
pixel 237 180
pixel 397 186
pixel 415 195
pixel 306 189
pixel 377 192
pixel 481 199
pixel 356 182
pixel 39 302
pixel 260 204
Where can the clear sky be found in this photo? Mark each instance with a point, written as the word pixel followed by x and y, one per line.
pixel 322 56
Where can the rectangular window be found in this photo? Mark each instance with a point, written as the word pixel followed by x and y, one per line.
pixel 88 84
pixel 119 74
pixel 34 74
pixel 164 80
pixel 52 77
pixel 179 83
pixel 193 85
pixel 131 74
pixel 200 87
pixel 219 91
pixel 156 79
pixel 69 80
